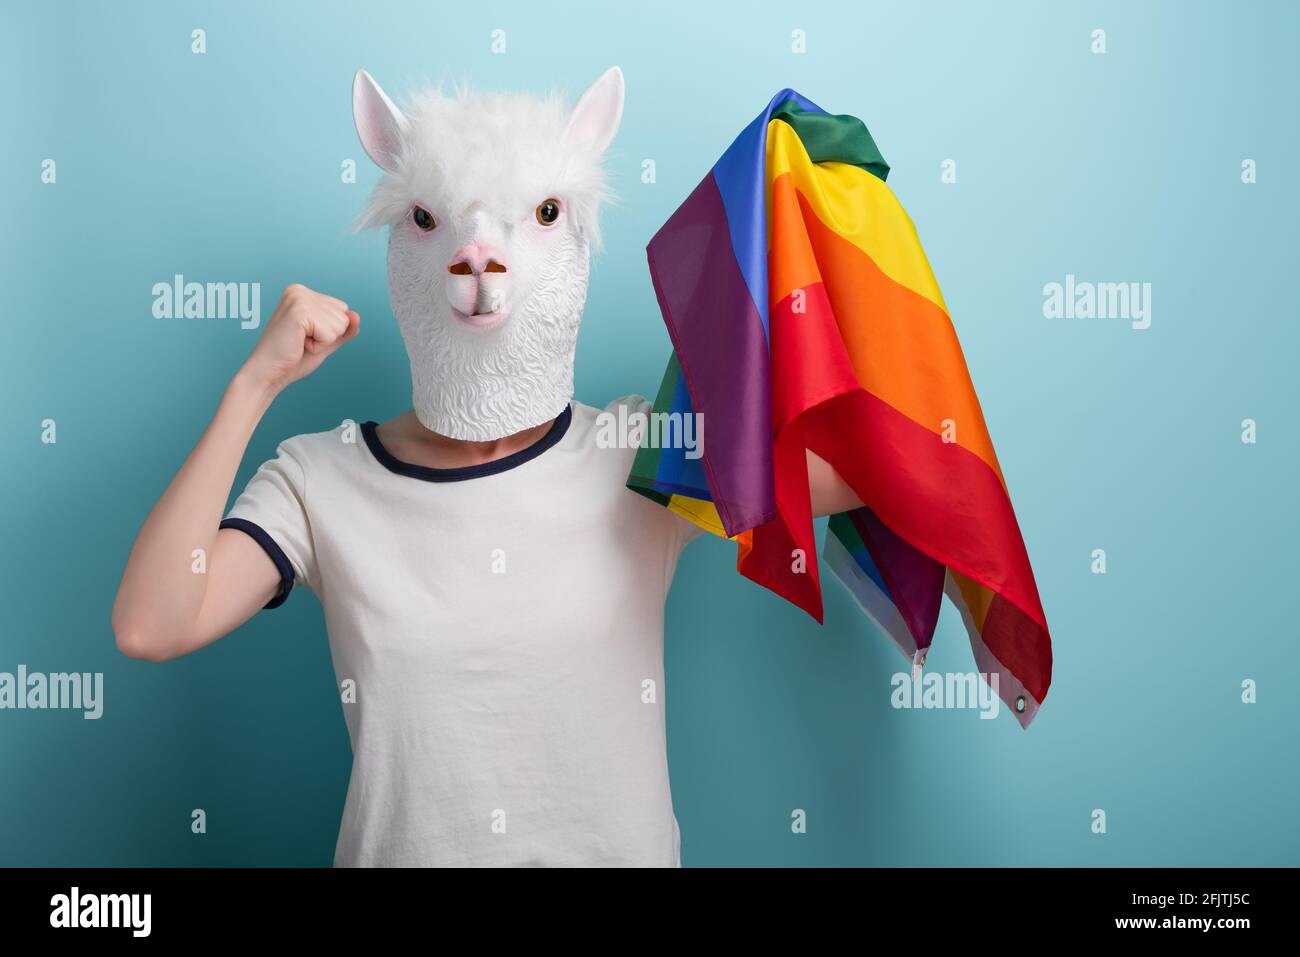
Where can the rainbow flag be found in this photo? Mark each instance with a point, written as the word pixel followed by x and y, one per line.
pixel 804 316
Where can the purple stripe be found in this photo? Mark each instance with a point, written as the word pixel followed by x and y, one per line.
pixel 722 347
pixel 915 579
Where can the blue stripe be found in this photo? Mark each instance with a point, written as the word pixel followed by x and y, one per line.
pixel 741 177
pixel 684 476
pixel 863 559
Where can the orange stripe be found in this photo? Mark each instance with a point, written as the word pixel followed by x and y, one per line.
pixel 978 598
pixel 902 345
pixel 791 262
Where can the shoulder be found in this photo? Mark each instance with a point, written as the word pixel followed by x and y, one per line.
pixel 619 430
pixel 311 450
pixel 631 403
pixel 608 427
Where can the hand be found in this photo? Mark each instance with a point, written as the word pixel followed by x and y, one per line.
pixel 305 329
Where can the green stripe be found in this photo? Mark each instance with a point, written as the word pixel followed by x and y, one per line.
pixel 829 138
pixel 842 527
pixel 641 487
pixel 645 467
pixel 668 387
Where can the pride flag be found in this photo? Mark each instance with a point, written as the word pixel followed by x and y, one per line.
pixel 804 315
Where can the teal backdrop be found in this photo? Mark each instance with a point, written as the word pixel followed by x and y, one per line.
pixel 1122 166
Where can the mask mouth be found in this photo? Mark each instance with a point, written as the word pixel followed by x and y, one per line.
pixel 480 320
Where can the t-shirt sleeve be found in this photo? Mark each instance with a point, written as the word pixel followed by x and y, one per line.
pixel 684 531
pixel 272 510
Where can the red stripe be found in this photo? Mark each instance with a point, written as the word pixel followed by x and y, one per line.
pixel 907 476
pixel 809 365
pixel 810 362
pixel 941 498
pixel 1021 644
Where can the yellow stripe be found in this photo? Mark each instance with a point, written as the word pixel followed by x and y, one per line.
pixel 878 225
pixel 700 511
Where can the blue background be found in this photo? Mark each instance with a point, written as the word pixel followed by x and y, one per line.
pixel 1117 167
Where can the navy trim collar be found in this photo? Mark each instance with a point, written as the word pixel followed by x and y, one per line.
pixel 369 431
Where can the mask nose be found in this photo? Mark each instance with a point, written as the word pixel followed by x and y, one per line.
pixel 475 259
pixel 478 283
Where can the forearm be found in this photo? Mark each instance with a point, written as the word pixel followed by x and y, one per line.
pixel 161 593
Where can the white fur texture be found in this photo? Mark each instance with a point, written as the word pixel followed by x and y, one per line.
pixel 480 164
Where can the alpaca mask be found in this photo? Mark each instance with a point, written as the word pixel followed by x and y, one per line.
pixel 491 205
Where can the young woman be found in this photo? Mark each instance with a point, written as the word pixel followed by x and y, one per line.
pixel 491 588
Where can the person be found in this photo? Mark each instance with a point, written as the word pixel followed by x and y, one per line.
pixel 493 593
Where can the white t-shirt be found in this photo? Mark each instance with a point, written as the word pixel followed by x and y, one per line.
pixel 503 628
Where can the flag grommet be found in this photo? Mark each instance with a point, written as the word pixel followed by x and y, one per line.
pixel 1020 704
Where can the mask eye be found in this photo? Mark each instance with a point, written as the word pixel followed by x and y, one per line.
pixel 422 218
pixel 548 212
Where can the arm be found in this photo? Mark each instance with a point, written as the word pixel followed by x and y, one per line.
pixel 163 609
pixel 830 493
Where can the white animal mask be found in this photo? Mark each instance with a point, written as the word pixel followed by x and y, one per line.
pixel 491 202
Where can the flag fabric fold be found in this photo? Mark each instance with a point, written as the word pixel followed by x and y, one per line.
pixel 804 315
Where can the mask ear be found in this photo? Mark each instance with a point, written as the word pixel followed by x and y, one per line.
pixel 594 119
pixel 380 124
